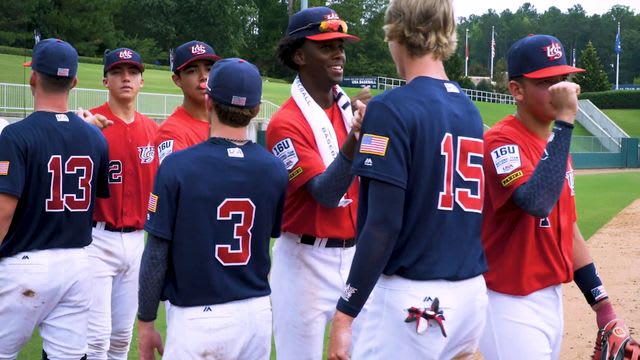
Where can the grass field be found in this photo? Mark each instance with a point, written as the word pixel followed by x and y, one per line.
pixel 627 119
pixel 599 198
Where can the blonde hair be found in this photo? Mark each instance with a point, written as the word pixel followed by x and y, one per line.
pixel 422 26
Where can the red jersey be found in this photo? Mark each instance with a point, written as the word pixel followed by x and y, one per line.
pixel 525 253
pixel 289 131
pixel 132 167
pixel 180 131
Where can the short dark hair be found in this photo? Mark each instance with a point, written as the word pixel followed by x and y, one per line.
pixel 234 116
pixel 286 48
pixel 55 84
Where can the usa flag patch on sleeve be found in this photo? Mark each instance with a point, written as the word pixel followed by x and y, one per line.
pixel 153 203
pixel 374 144
pixel 4 168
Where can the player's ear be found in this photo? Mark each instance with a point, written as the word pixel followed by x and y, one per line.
pixel 298 57
pixel 516 89
pixel 208 102
pixel 176 80
pixel 74 82
pixel 105 82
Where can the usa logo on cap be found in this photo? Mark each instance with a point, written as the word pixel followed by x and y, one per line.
pixel 125 54
pixel 554 51
pixel 198 49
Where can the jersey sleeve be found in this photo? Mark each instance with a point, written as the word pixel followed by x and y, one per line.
pixel 167 142
pixel 162 206
pixel 297 151
pixel 277 222
pixel 506 167
pixel 383 151
pixel 12 165
pixel 102 182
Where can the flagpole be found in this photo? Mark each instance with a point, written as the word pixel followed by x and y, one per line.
pixel 466 53
pixel 493 51
pixel 618 57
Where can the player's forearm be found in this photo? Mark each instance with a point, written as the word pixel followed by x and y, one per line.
pixel 329 187
pixel 153 268
pixel 541 192
pixel 349 147
pixel 375 244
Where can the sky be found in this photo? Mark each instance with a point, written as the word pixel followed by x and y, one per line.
pixel 479 7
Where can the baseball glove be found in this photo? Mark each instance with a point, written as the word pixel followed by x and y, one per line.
pixel 614 343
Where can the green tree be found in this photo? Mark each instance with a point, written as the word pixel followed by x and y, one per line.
pixel 454 67
pixel 594 79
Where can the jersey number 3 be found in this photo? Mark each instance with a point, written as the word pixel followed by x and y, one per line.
pixel 241 231
pixel 78 168
pixel 468 171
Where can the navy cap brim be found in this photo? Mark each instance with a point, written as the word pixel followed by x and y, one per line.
pixel 211 57
pixel 134 63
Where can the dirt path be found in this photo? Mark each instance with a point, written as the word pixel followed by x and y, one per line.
pixel 616 251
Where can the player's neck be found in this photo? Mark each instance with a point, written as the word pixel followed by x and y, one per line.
pixel 321 91
pixel 197 110
pixel 51 102
pixel 423 66
pixel 540 128
pixel 227 132
pixel 125 110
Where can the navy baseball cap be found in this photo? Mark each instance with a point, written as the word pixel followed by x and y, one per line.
pixel 235 82
pixel 191 51
pixel 538 56
pixel 122 56
pixel 318 24
pixel 54 57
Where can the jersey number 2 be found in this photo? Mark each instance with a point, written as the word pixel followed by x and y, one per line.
pixel 241 231
pixel 468 171
pixel 82 167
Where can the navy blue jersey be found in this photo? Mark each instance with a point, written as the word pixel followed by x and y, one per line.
pixel 426 138
pixel 218 204
pixel 55 164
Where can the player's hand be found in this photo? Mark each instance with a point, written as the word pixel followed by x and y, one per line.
pixel 148 341
pixel 564 99
pixel 363 96
pixel 98 120
pixel 340 337
pixel 358 114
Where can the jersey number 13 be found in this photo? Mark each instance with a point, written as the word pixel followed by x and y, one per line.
pixel 468 171
pixel 77 169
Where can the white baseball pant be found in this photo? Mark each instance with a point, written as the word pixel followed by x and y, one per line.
pixel 386 335
pixel 235 330
pixel 524 327
pixel 115 259
pixel 50 289
pixel 306 283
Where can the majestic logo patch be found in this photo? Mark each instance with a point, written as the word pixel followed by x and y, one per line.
pixel 146 154
pixel 297 171
pixel 374 144
pixel 348 292
pixel 4 168
pixel 198 49
pixel 153 203
pixel 125 54
pixel 235 152
pixel 285 151
pixel 165 148
pixel 62 117
pixel 511 178
pixel 368 162
pixel 554 51
pixel 506 158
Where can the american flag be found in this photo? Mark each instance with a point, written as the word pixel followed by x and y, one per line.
pixel 4 168
pixel 153 202
pixel 493 46
pixel 374 144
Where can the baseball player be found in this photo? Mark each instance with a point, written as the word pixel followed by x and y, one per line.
pixel 118 236
pixel 311 133
pixel 188 125
pixel 52 166
pixel 530 234
pixel 211 215
pixel 419 160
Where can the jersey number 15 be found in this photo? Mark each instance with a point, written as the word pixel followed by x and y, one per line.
pixel 468 171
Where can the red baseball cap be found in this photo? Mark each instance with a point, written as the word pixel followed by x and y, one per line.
pixel 318 24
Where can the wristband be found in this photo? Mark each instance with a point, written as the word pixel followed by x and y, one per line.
pixel 590 284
